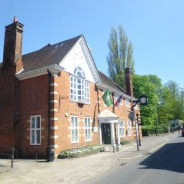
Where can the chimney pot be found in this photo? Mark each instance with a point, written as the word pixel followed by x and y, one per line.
pixel 15 19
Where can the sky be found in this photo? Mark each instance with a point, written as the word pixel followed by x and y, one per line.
pixel 155 28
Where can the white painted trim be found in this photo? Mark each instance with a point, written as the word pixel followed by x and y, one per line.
pixel 35 128
pixel 54 93
pixel 54 146
pixel 53 110
pixel 54 101
pixel 127 102
pixel 21 70
pixel 121 127
pixel 75 128
pixel 105 87
pixel 129 127
pixel 54 119
pixel 54 136
pixel 54 84
pixel 54 70
pixel 89 59
pixel 54 127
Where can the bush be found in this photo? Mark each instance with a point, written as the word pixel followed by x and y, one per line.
pixel 78 152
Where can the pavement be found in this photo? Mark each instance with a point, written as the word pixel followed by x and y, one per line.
pixel 77 170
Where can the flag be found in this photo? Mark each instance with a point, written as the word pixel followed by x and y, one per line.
pixel 118 100
pixel 107 98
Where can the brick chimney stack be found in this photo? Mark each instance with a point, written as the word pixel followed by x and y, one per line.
pixel 128 80
pixel 13 45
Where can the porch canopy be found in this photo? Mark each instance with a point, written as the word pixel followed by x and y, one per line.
pixel 108 117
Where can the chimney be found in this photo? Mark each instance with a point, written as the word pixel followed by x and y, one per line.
pixel 12 55
pixel 128 81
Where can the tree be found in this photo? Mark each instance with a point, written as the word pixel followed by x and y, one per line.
pixel 165 107
pixel 166 102
pixel 148 85
pixel 176 99
pixel 120 56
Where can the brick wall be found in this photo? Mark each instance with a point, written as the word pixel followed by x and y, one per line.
pixel 7 106
pixel 65 109
pixel 33 95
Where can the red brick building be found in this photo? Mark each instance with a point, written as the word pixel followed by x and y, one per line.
pixel 53 97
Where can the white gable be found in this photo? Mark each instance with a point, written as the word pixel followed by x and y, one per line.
pixel 79 56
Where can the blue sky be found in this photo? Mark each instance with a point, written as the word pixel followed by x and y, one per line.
pixel 155 28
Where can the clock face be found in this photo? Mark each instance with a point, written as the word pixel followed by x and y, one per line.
pixel 143 99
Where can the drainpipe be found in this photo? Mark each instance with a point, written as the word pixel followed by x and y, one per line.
pixel 98 112
pixel 50 149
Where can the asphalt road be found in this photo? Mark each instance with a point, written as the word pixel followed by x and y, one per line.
pixel 165 166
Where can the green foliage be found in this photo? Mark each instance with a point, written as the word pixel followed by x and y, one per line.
pixel 120 56
pixel 148 85
pixel 166 102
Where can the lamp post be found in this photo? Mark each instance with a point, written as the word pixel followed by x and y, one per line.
pixel 143 100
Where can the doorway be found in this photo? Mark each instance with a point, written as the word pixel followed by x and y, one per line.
pixel 106 133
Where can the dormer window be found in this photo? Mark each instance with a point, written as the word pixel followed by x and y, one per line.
pixel 79 87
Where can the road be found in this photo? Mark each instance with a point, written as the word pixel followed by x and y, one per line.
pixel 164 166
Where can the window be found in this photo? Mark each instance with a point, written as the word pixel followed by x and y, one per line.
pixel 79 87
pixel 127 102
pixel 87 128
pixel 129 128
pixel 35 130
pixel 136 106
pixel 121 128
pixel 74 129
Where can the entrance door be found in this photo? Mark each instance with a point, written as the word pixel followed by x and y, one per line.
pixel 106 133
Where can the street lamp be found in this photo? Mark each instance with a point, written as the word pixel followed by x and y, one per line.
pixel 143 100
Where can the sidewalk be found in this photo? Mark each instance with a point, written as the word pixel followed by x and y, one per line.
pixel 72 171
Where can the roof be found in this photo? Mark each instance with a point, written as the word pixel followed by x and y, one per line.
pixel 53 54
pixel 108 82
pixel 48 55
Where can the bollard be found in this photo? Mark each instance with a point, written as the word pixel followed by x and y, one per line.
pixel 12 157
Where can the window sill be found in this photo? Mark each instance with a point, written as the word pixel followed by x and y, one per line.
pixel 87 140
pixel 75 142
pixel 80 102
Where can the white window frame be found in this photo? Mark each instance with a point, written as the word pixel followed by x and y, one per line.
pixel 79 87
pixel 121 128
pixel 34 129
pixel 129 128
pixel 87 128
pixel 127 102
pixel 136 107
pixel 74 129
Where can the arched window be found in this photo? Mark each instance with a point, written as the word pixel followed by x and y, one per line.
pixel 79 87
pixel 79 72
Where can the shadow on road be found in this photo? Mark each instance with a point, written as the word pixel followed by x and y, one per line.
pixel 169 157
